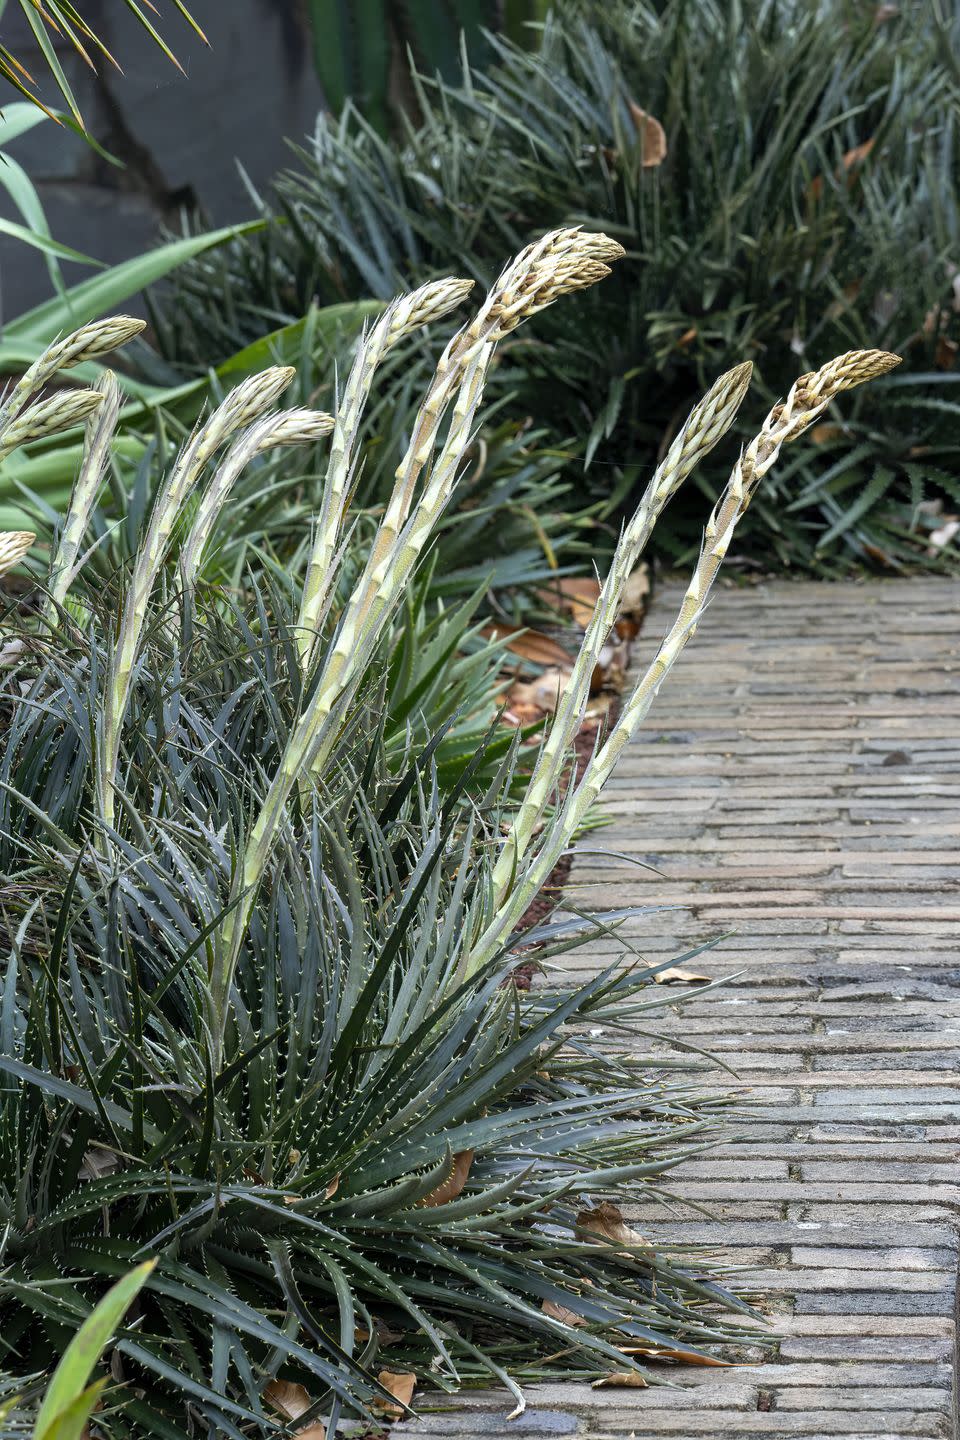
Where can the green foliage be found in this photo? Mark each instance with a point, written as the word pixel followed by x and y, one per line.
pixel 807 203
pixel 261 905
pixel 159 397
pixel 261 896
pixel 68 1402
pixel 284 1197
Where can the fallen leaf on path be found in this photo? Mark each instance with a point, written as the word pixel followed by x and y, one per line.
pixel 627 1378
pixel 291 1401
pixel 676 975
pixel 400 1383
pixel 605 1222
pixel 682 1357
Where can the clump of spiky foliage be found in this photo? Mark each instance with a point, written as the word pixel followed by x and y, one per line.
pixel 254 1018
pixel 806 203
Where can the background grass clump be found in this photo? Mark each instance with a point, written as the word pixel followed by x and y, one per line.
pixel 784 179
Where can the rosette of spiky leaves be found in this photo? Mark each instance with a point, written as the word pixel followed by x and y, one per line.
pixel 821 216
pixel 388 1166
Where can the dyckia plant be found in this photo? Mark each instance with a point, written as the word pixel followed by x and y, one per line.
pixel 256 1018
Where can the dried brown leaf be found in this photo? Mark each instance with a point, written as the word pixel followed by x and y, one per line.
pixel 98 1162
pixel 454 1182
pixel 538 697
pixel 633 605
pixel 385 1336
pixel 858 154
pixel 575 596
pixel 682 1357
pixel 401 1384
pixel 850 163
pixel 650 135
pixel 627 1378
pixel 290 1401
pixel 529 645
pixel 561 1313
pixel 676 975
pixel 946 353
pixel 599 707
pixel 605 1222
pixel 611 668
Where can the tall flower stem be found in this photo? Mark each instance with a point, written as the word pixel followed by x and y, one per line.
pixel 807 400
pixel 240 407
pixel 403 318
pixel 707 423
pixel 100 430
pixel 561 262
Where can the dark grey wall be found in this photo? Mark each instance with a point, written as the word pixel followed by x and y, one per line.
pixel 179 135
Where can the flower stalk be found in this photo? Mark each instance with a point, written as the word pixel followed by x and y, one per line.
pixel 706 425
pixel 14 545
pixel 101 425
pixel 563 261
pixel 90 342
pixel 808 398
pixel 402 318
pixel 48 417
pixel 239 409
pixel 298 426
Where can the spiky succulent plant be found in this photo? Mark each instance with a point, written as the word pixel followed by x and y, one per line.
pixel 255 1014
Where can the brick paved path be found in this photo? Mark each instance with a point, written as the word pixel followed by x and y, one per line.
pixel 799 779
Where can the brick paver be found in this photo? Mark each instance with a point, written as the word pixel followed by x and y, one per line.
pixel 799 783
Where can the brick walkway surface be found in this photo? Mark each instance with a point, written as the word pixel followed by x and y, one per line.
pixel 799 781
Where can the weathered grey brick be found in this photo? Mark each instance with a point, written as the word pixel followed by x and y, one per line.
pixel 759 790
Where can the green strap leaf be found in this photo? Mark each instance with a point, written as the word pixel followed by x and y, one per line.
pixel 59 1408
pixel 17 119
pixel 101 293
pixel 38 240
